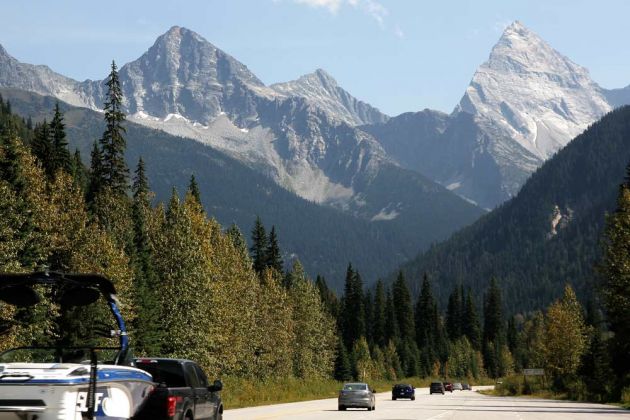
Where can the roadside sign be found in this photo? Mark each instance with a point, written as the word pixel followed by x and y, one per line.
pixel 533 372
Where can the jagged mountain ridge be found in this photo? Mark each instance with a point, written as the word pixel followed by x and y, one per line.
pixel 186 86
pixel 321 88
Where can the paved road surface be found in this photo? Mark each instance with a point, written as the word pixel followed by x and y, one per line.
pixel 460 405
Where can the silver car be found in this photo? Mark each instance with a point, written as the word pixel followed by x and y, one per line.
pixel 357 395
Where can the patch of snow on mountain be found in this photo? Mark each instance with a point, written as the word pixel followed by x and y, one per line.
pixel 177 116
pixel 388 213
pixel 454 185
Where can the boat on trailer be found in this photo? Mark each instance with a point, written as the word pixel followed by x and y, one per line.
pixel 68 382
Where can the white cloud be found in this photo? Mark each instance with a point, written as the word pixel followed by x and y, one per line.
pixel 331 5
pixel 372 8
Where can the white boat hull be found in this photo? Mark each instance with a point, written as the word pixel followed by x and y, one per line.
pixel 50 395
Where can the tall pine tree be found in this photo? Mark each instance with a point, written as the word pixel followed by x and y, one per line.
pixel 454 314
pixel 403 308
pixel 353 313
pixel 193 189
pixel 328 297
pixel 274 256
pixel 146 323
pixel 60 155
pixel 471 325
pixel 260 243
pixel 112 143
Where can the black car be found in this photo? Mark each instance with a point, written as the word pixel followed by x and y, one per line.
pixel 436 388
pixel 403 391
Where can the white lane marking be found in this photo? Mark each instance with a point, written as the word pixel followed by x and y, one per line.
pixel 440 415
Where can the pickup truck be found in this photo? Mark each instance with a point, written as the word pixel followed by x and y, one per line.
pixel 182 391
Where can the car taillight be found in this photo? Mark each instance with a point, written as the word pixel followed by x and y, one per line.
pixel 171 405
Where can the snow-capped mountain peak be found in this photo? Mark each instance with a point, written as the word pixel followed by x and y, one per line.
pixel 529 92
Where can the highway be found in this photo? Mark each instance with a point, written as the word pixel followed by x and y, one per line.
pixel 460 405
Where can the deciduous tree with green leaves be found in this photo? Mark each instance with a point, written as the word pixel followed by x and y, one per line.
pixel 565 335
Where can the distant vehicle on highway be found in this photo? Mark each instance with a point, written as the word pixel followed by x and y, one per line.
pixel 403 391
pixel 466 386
pixel 356 395
pixel 436 388
pixel 457 386
pixel 448 386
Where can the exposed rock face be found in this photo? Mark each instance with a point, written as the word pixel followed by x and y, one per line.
pixel 532 94
pixel 183 74
pixel 321 89
pixel 38 79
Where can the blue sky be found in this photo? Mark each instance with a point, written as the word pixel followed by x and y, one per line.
pixel 398 55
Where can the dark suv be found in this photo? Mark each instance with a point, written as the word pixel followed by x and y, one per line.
pixel 403 391
pixel 436 388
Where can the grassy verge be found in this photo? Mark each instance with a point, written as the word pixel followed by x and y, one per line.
pixel 538 388
pixel 238 392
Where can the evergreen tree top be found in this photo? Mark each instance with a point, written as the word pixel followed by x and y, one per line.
pixel 193 189
pixel 140 182
pixel 115 173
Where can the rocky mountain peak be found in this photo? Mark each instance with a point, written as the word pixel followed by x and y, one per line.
pixel 324 78
pixel 530 93
pixel 322 90
pixel 521 50
pixel 183 74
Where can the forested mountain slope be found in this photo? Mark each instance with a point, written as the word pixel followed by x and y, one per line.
pixel 548 235
pixel 324 239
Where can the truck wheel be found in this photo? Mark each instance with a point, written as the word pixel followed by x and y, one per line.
pixel 342 408
pixel 189 416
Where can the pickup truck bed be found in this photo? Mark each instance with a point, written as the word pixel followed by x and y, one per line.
pixel 182 393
